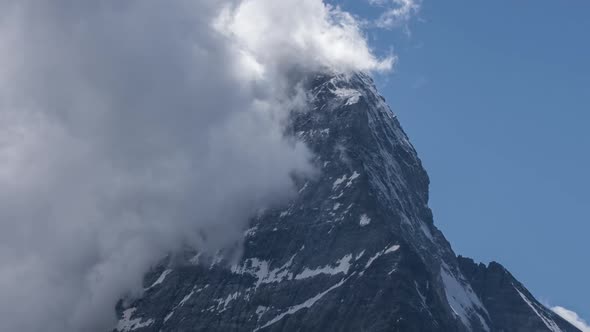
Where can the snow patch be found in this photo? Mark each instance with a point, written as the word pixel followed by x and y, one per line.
pixel 218 258
pixel 426 231
pixel 359 255
pixel 251 231
pixel 307 304
pixel 422 297
pixel 342 266
pixel 353 177
pixel 391 249
pixel 186 298
pixel 339 181
pixel 183 301
pixel 462 299
pixel 127 324
pixel 551 325
pixel 372 259
pixel 161 278
pixel 346 179
pixel 352 96
pixel 423 226
pixel 261 310
pixel 385 251
pixel 337 197
pixel 261 270
pixel 168 316
pixel 222 303
pixel 365 220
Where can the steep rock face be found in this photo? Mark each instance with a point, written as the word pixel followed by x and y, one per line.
pixel 356 250
pixel 504 297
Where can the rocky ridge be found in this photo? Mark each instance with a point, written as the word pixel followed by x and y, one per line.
pixel 356 250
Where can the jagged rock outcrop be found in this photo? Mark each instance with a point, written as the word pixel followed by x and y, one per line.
pixel 356 250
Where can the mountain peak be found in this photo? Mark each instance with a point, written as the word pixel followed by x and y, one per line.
pixel 357 248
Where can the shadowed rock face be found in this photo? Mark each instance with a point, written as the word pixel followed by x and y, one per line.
pixel 356 250
pixel 504 296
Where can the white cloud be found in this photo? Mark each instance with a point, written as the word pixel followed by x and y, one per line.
pixel 129 129
pixel 396 13
pixel 572 317
pixel 299 33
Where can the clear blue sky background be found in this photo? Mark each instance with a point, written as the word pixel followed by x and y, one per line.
pixel 495 96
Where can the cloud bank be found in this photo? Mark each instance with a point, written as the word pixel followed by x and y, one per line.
pixel 130 129
pixel 572 317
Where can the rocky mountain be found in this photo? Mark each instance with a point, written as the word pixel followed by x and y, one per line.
pixel 356 250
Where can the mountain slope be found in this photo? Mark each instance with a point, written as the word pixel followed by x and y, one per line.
pixel 356 250
pixel 504 296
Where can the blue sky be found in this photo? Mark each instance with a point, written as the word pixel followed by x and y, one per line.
pixel 496 98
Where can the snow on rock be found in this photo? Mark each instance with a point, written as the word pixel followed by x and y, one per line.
pixel 186 298
pixel 170 314
pixel 127 324
pixel 347 179
pixel 426 231
pixel 342 266
pixel 350 95
pixel 572 317
pixel 365 220
pixel 551 325
pixel 462 299
pixel 379 157
pixel 251 231
pixel 339 181
pixel 261 270
pixel 222 303
pixel 261 310
pixel 218 258
pixel 161 278
pixel 305 305
pixel 391 249
pixel 422 297
pixel 353 177
pixel 183 301
pixel 385 251
pixel 372 259
pixel 359 255
pixel 337 196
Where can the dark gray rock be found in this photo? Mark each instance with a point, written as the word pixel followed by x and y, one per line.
pixel 356 250
pixel 503 297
